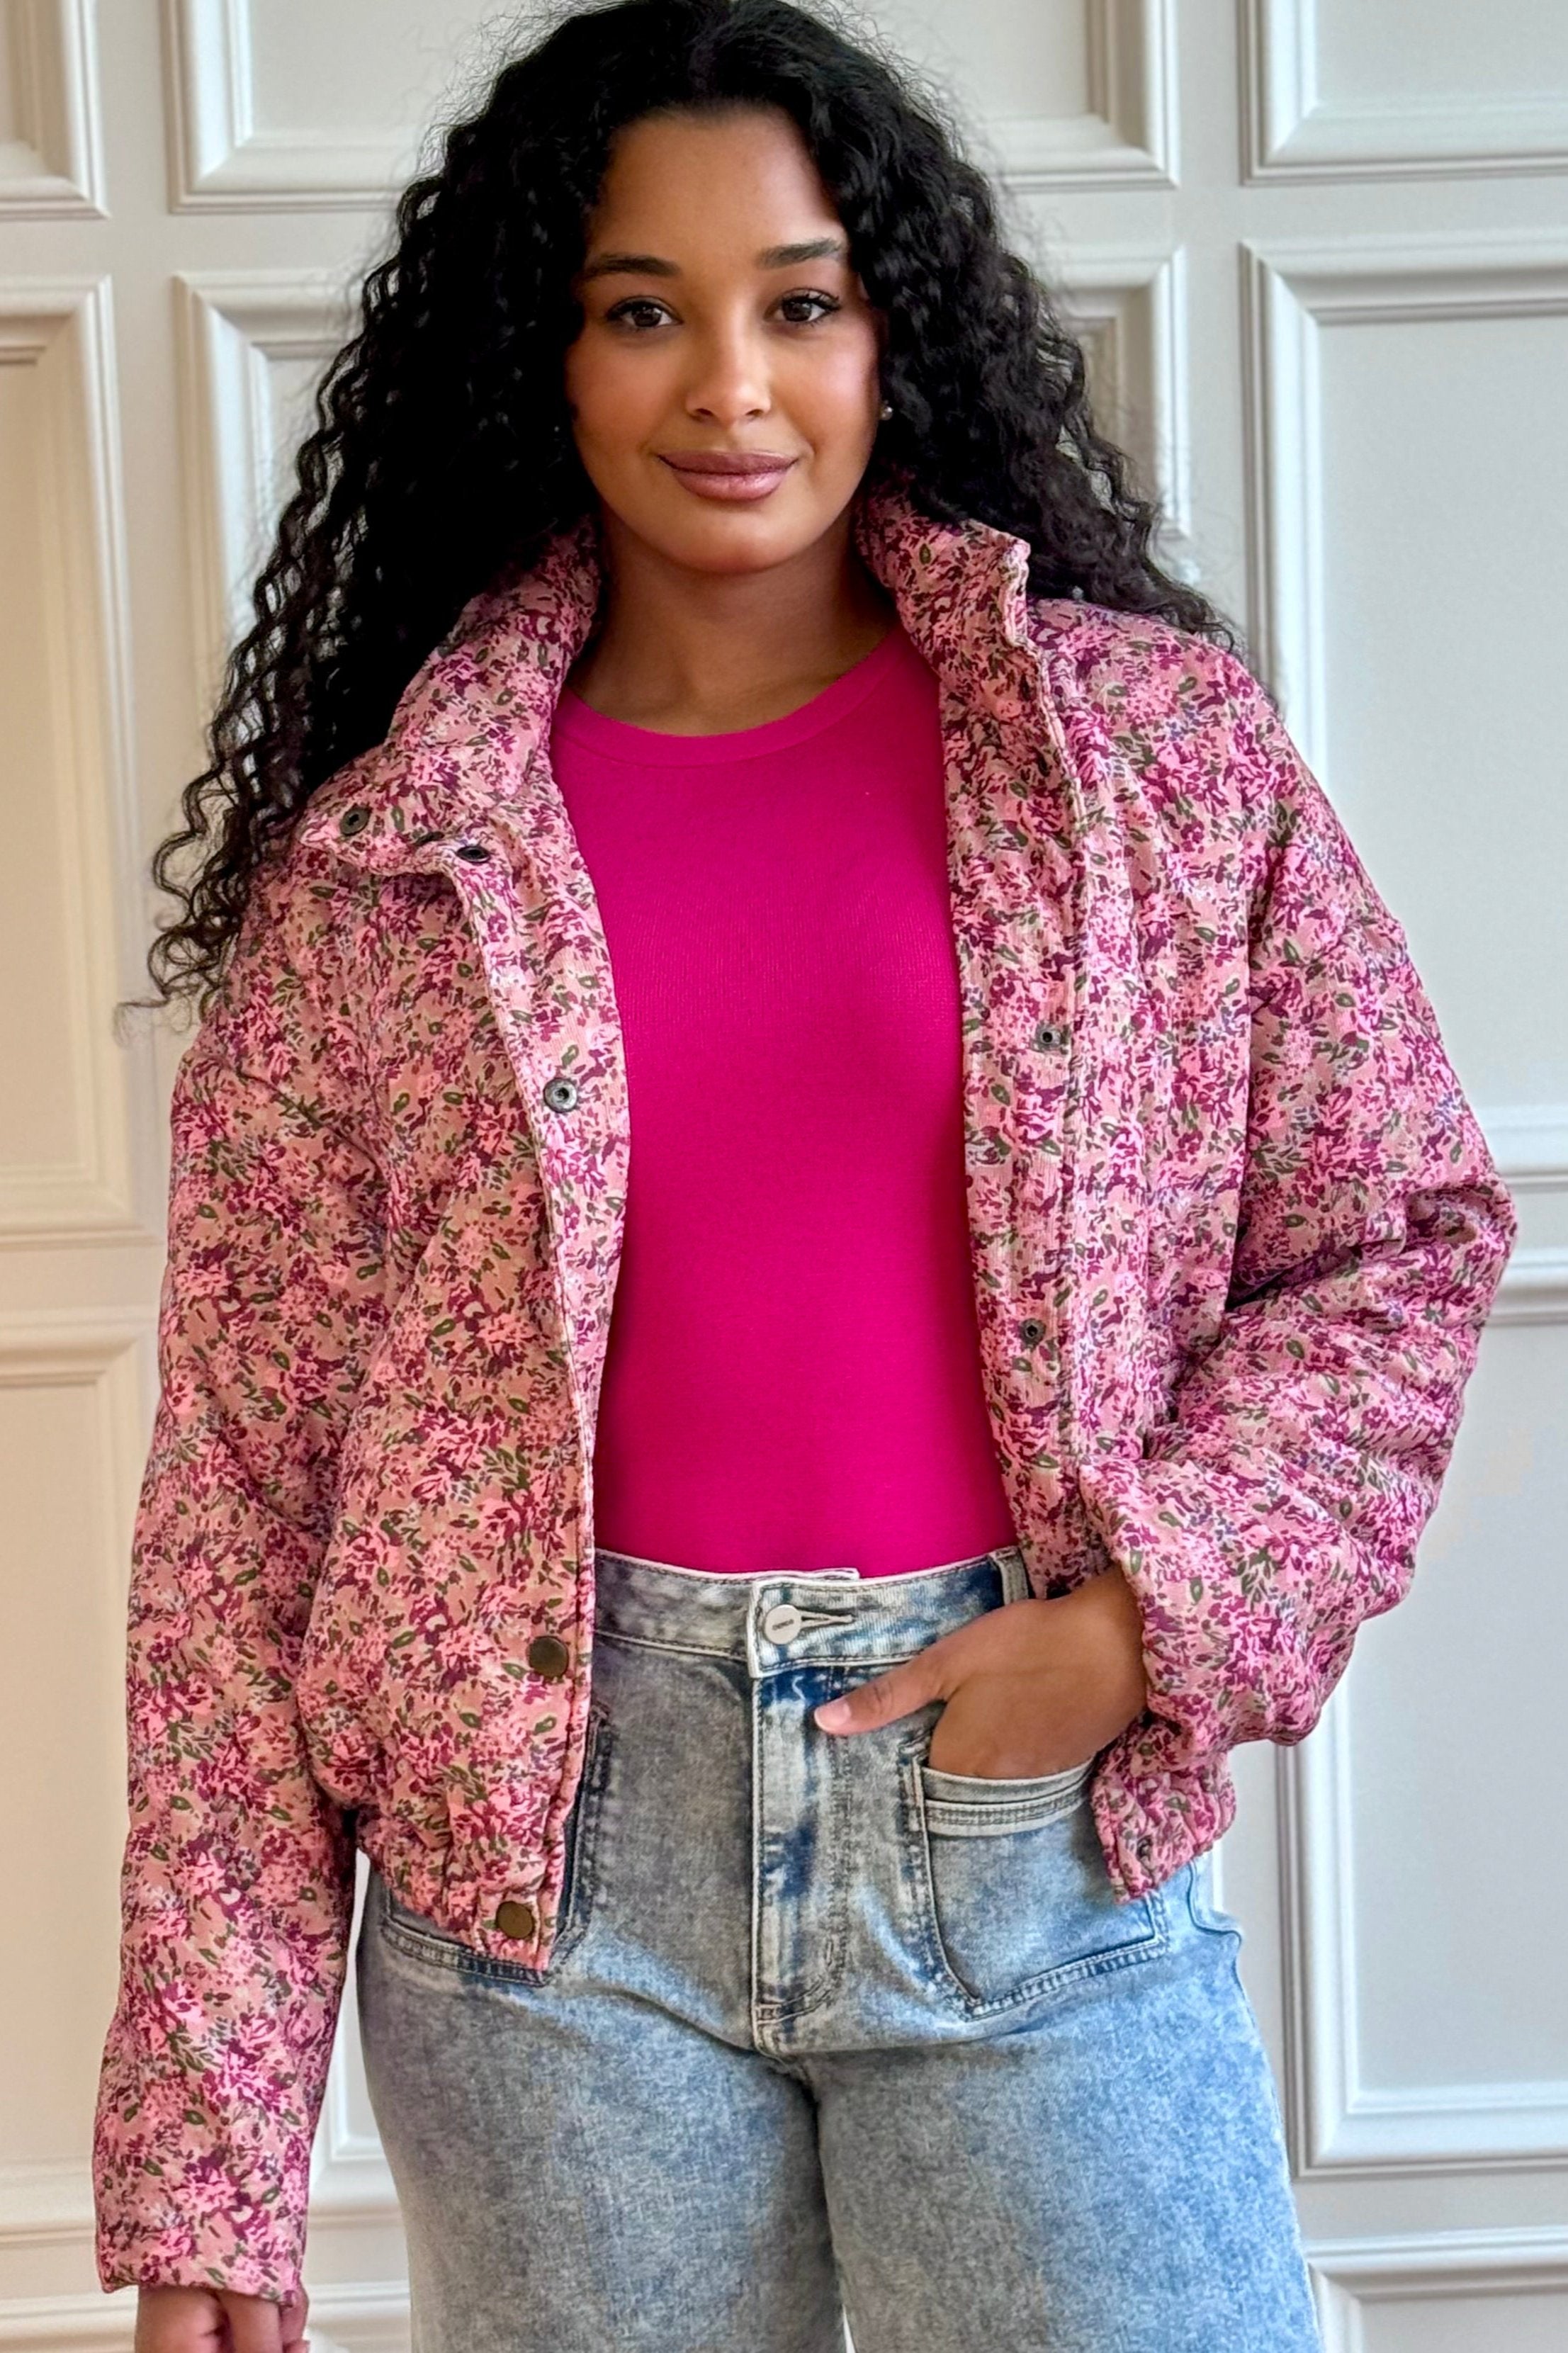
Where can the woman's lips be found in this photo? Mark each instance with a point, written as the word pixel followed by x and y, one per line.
pixel 733 474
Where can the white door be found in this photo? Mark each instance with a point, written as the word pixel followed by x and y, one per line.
pixel 1319 250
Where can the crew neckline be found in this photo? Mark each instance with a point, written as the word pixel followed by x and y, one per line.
pixel 619 739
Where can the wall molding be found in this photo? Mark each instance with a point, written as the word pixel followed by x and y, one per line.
pixel 1132 302
pixel 1337 2123
pixel 1291 133
pixel 1534 1288
pixel 351 2180
pixel 363 2316
pixel 224 160
pixel 1529 1143
pixel 48 2209
pixel 63 329
pixel 43 2205
pixel 1127 137
pixel 1349 2277
pixel 231 326
pixel 1291 294
pixel 53 169
pixel 1351 2273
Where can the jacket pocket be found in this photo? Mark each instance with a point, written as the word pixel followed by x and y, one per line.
pixel 421 1939
pixel 1013 1899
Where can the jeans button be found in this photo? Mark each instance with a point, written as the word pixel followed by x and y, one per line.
pixel 782 1623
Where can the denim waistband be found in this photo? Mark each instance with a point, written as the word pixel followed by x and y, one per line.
pixel 826 1616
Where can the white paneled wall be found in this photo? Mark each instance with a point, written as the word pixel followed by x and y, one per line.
pixel 1318 251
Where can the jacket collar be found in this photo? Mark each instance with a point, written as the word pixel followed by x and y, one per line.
pixel 469 723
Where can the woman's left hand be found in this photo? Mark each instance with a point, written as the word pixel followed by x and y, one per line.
pixel 1031 1687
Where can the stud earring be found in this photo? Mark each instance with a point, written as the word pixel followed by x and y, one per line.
pixel 885 411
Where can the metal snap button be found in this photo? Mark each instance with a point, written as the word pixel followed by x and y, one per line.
pixel 473 850
pixel 516 1919
pixel 560 1094
pixel 354 820
pixel 1050 1040
pixel 549 1657
pixel 1031 1331
pixel 782 1623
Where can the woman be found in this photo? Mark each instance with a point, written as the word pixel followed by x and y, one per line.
pixel 713 689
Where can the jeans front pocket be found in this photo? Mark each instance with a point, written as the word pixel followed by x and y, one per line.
pixel 1205 1914
pixel 1014 1901
pixel 423 1940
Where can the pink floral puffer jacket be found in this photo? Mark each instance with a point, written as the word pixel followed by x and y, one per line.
pixel 1235 1234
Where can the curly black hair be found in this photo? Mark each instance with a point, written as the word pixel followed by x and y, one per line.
pixel 424 474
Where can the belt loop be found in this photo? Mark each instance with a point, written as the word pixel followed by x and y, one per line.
pixel 1016 1585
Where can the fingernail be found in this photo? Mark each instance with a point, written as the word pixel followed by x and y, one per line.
pixel 833 1715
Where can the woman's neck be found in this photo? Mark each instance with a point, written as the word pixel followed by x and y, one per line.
pixel 700 653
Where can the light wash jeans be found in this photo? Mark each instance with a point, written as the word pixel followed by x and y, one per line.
pixel 825 2031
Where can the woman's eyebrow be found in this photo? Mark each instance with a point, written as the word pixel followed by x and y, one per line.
pixel 817 248
pixel 772 256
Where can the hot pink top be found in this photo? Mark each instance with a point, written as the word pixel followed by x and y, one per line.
pixel 793 1375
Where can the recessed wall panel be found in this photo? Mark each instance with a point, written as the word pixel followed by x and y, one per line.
pixel 1021 56
pixel 1062 93
pixel 257 344
pixel 42 1116
pixel 1365 54
pixel 61 1711
pixel 1460 1880
pixel 1445 486
pixel 1469 2323
pixel 352 69
pixel 49 158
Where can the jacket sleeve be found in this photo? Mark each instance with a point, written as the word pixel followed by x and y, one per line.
pixel 1280 1502
pixel 238 1881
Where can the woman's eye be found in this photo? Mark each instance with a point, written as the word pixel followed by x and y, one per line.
pixel 816 306
pixel 640 311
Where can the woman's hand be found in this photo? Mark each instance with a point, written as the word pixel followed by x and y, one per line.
pixel 1031 1687
pixel 213 2320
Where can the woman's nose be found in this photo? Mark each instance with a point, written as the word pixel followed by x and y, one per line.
pixel 729 384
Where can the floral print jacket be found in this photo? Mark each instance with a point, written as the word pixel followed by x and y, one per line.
pixel 1235 1234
